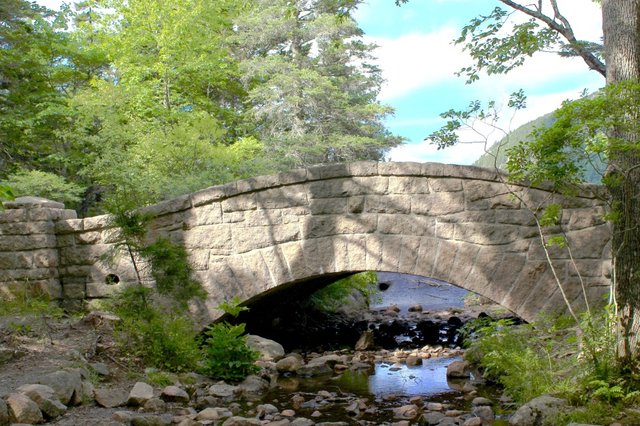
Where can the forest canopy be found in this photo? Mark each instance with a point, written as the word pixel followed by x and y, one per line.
pixel 158 98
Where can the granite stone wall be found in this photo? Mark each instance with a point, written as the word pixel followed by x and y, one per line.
pixel 460 224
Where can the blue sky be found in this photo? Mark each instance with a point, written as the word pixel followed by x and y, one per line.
pixel 419 60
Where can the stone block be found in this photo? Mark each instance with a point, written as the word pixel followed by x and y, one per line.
pixel 387 204
pixel 246 239
pixel 97 223
pixel 69 226
pixel 323 226
pixel 406 225
pixel 371 185
pixel 426 257
pixel 208 237
pixel 374 259
pixel 437 203
pixel 16 260
pixel 177 204
pixel 445 185
pixel 445 257
pixel 400 169
pixel 207 214
pixel 328 171
pixel 26 242
pixel 363 168
pixel 292 176
pixel 277 264
pixel 408 185
pixel 487 234
pixel 213 194
pixel 355 205
pixel 408 254
pixel 255 218
pixel 276 198
pixel 239 203
pixel 74 288
pixel 333 188
pixel 47 258
pixel 463 263
pixel 38 215
pixel 320 206
pixel 13 215
pixel 83 255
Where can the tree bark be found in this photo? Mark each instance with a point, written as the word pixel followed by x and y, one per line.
pixel 621 27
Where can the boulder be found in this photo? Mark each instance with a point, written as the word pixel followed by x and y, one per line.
pixel 151 420
pixel 269 349
pixel 253 387
pixel 458 370
pixel 484 413
pixel 241 421
pixel 208 414
pixel 110 398
pixel 222 390
pixel 409 411
pixel 366 341
pixel 319 366
pixel 140 394
pixel 538 411
pixel 66 384
pixel 289 364
pixel 174 394
pixel 413 361
pixel 23 409
pixel 432 418
pixel 4 413
pixel 44 396
pixel 155 405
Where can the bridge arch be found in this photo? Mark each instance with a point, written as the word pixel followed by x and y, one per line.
pixel 459 224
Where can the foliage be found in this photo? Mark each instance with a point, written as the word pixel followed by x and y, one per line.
pixel 171 270
pixel 335 295
pixel 44 184
pixel 29 301
pixel 161 339
pixel 6 194
pixel 551 356
pixel 227 355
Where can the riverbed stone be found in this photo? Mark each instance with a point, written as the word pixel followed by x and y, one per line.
pixel 485 413
pixel 432 418
pixel 289 364
pixel 66 384
pixel 269 350
pixel 473 421
pixel 222 390
pixel 151 420
pixel 241 421
pixel 110 398
pixel 174 394
pixel 458 370
pixel 479 400
pixel 302 421
pixel 365 341
pixel 538 411
pixel 409 411
pixel 253 387
pixel 413 361
pixel 155 405
pixel 140 394
pixel 4 413
pixel 44 396
pixel 23 409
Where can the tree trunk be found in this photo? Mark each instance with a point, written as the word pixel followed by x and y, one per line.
pixel 621 27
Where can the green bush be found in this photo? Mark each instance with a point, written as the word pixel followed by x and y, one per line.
pixel 335 295
pixel 160 339
pixel 45 184
pixel 227 355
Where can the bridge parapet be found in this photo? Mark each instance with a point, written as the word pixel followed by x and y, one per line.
pixel 456 223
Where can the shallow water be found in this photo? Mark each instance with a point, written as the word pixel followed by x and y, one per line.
pixel 407 290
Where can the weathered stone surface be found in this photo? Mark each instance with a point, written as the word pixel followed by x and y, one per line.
pixel 289 364
pixel 250 236
pixel 110 398
pixel 4 413
pixel 269 350
pixel 253 387
pixel 241 421
pixel 67 385
pixel 141 393
pixel 458 370
pixel 174 394
pixel 45 397
pixel 22 409
pixel 538 411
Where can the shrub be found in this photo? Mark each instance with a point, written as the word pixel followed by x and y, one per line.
pixel 45 184
pixel 227 355
pixel 333 296
pixel 160 339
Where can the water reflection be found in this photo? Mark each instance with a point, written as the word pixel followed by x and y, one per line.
pixel 430 378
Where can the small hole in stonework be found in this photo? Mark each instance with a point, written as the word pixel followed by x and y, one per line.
pixel 383 286
pixel 112 279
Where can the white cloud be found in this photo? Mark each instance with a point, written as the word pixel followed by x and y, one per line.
pixel 415 60
pixel 474 143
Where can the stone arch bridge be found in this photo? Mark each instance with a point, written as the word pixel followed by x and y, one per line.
pixel 459 224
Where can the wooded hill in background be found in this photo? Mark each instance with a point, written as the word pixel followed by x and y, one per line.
pixel 497 154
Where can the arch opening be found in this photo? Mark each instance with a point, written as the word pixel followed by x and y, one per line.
pixel 411 312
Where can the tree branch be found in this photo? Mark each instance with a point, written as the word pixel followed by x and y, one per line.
pixel 564 29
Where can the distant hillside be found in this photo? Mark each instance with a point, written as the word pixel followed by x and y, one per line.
pixel 497 153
